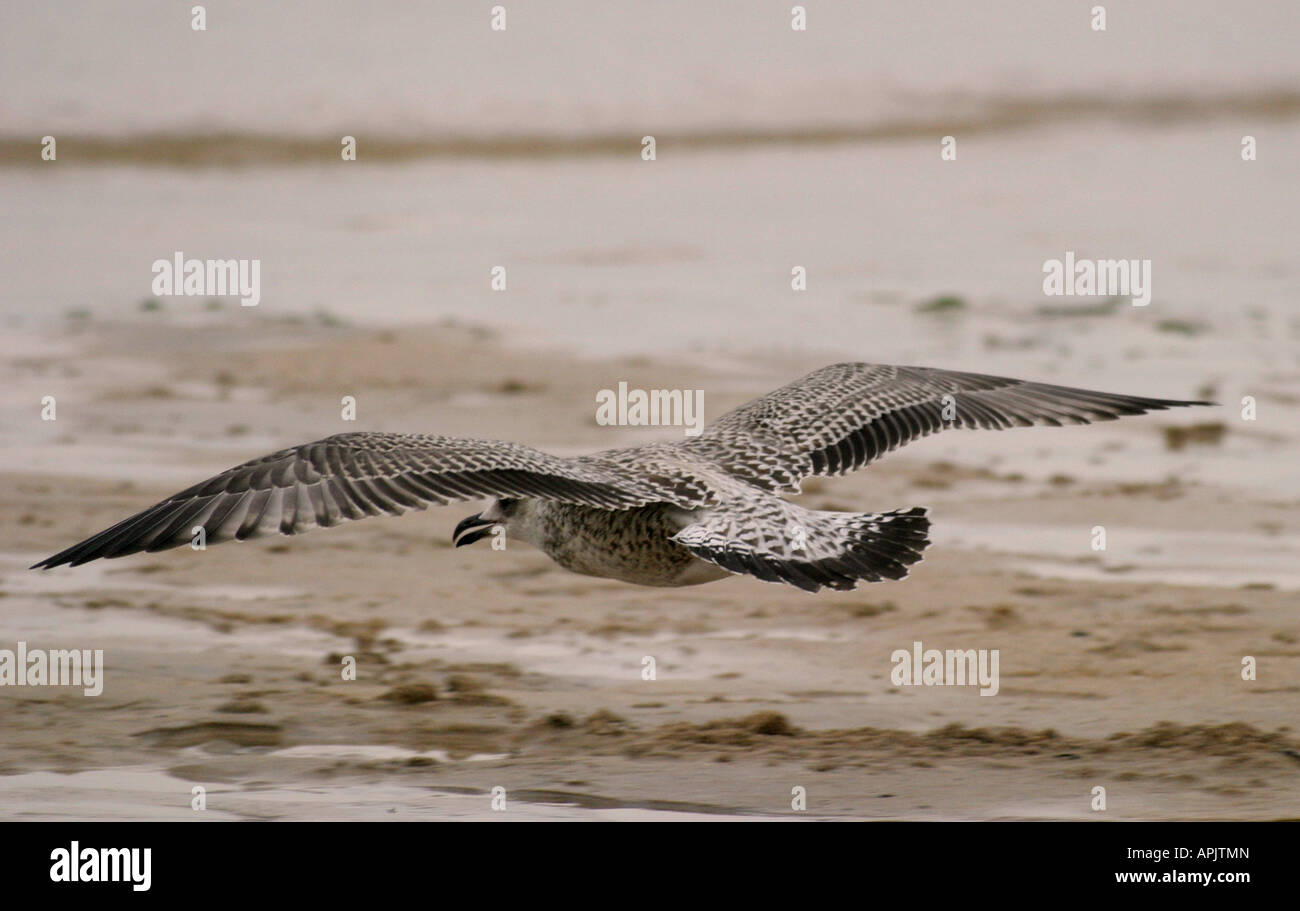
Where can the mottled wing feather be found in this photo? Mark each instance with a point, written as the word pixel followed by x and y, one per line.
pixel 355 475
pixel 840 418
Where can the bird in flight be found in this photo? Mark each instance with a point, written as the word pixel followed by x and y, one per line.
pixel 663 514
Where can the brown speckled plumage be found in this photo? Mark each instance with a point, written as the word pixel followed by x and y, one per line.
pixel 664 514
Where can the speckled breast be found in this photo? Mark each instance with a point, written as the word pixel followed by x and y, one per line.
pixel 632 545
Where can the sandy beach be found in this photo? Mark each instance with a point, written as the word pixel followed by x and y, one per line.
pixel 479 668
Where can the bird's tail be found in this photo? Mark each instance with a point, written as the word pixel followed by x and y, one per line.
pixel 811 549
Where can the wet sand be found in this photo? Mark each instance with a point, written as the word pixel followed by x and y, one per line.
pixel 479 668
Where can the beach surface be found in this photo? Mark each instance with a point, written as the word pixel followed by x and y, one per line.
pixel 479 669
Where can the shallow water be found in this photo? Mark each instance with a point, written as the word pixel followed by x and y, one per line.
pixel 151 793
pixel 1207 557
pixel 583 66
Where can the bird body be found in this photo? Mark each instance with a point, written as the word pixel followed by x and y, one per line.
pixel 662 514
pixel 633 545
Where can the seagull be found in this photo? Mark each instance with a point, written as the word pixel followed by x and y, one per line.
pixel 661 514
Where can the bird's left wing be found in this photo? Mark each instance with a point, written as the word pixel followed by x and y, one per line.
pixel 354 475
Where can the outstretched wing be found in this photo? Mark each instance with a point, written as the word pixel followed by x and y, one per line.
pixel 839 418
pixel 354 475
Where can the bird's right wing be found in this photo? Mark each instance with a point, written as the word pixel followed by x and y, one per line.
pixel 839 418
pixel 354 475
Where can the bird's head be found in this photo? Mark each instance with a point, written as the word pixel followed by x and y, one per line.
pixel 480 525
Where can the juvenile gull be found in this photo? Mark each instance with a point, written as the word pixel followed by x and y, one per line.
pixel 666 514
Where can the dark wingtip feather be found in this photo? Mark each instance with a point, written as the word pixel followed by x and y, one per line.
pixel 62 558
pixel 1161 404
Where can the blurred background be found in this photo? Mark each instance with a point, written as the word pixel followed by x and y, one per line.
pixel 775 148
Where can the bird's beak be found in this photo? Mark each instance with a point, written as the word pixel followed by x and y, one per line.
pixel 472 529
